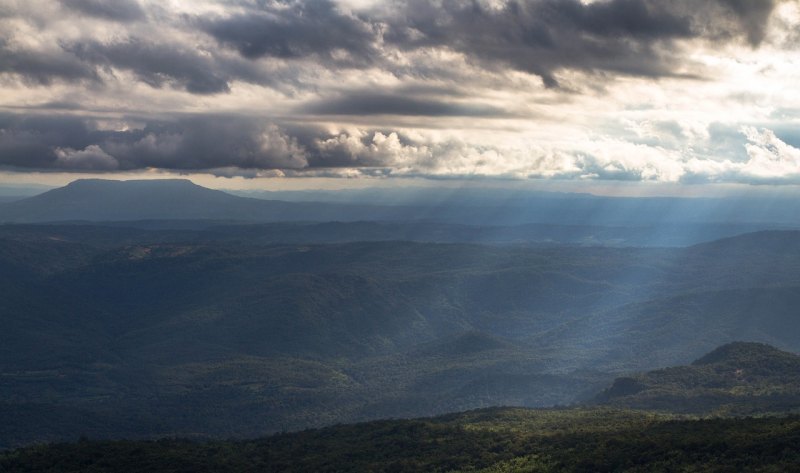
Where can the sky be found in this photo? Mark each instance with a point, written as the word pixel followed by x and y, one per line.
pixel 637 96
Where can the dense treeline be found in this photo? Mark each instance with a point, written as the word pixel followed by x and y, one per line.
pixel 491 440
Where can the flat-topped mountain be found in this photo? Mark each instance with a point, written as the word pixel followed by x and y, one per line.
pixel 107 200
pixel 739 377
pixel 102 200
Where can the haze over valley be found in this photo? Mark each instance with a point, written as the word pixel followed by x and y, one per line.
pixel 195 327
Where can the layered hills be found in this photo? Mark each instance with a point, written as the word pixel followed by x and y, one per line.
pixel 134 328
pixel 126 337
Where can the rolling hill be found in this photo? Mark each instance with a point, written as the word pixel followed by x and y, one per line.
pixel 736 378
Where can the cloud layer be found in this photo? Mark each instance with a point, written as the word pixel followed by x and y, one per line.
pixel 646 90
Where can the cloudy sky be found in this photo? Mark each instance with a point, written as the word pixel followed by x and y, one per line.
pixel 669 92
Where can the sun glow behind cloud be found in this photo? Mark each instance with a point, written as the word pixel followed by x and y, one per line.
pixel 669 92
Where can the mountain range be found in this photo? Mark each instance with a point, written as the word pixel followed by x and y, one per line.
pixel 497 217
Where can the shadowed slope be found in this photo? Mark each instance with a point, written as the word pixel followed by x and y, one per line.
pixel 739 377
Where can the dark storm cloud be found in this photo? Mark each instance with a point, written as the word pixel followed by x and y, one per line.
pixel 427 59
pixel 295 30
pixel 632 37
pixel 43 67
pixel 205 142
pixel 115 10
pixel 541 37
pixel 379 104
pixel 236 145
pixel 186 143
pixel 30 142
pixel 157 64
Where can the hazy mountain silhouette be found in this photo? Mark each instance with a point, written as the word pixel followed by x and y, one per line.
pixel 162 199
pixel 538 217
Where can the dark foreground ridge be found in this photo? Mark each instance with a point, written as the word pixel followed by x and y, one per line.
pixel 580 439
pixel 490 440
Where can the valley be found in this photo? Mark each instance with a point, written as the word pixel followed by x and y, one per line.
pixel 188 335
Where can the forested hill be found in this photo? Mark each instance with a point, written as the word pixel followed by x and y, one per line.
pixel 737 378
